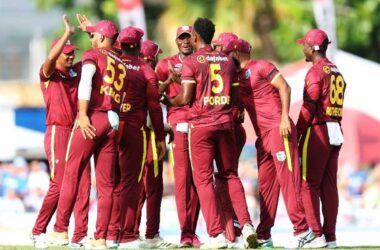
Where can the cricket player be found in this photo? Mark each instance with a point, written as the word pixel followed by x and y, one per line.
pixel 59 77
pixel 100 95
pixel 320 131
pixel 153 186
pixel 266 97
pixel 141 97
pixel 229 216
pixel 207 79
pixel 168 72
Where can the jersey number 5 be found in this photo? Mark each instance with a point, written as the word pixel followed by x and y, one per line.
pixel 216 77
pixel 110 79
pixel 336 89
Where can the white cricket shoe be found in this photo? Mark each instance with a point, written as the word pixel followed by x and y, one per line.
pixel 331 244
pixel 268 243
pixel 112 244
pixel 59 238
pixel 39 241
pixel 96 244
pixel 217 242
pixel 300 240
pixel 79 244
pixel 158 242
pixel 317 242
pixel 249 235
pixel 135 244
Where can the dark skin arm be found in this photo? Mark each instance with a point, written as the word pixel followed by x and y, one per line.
pixel 183 98
pixel 284 90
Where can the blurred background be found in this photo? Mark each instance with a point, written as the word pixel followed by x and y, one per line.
pixel 27 28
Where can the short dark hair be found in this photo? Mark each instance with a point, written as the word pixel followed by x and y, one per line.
pixel 323 46
pixel 205 28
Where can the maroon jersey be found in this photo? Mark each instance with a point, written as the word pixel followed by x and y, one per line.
pixel 323 95
pixel 214 73
pixel 108 83
pixel 141 95
pixel 60 92
pixel 260 99
pixel 175 114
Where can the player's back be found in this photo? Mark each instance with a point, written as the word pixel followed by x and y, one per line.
pixel 108 83
pixel 326 77
pixel 139 75
pixel 261 99
pixel 213 73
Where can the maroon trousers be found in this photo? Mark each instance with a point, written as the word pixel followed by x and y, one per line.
pixel 79 151
pixel 205 144
pixel 186 196
pixel 319 174
pixel 228 215
pixel 279 169
pixel 55 142
pixel 132 156
pixel 152 190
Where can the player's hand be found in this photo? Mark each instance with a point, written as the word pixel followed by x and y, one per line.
pixel 88 131
pixel 174 74
pixel 161 149
pixel 285 126
pixel 171 135
pixel 68 28
pixel 164 99
pixel 83 22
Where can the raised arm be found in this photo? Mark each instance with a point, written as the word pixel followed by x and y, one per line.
pixel 49 64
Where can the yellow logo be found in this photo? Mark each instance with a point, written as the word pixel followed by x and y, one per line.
pixel 201 59
pixel 326 69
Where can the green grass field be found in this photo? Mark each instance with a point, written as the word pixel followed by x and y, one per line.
pixel 65 248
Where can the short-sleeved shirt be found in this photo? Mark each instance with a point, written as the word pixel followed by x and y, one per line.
pixel 108 83
pixel 324 87
pixel 175 114
pixel 141 96
pixel 260 98
pixel 60 92
pixel 214 73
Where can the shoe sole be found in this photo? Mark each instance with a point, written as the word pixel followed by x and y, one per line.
pixel 251 241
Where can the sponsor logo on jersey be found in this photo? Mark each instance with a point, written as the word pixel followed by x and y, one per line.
pixel 326 69
pixel 281 156
pixel 335 69
pixel 217 58
pixel 178 66
pixel 201 59
pixel 248 74
pixel 132 67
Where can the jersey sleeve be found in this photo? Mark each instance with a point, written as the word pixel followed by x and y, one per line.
pixel 162 71
pixel 188 72
pixel 89 57
pixel 153 103
pixel 268 71
pixel 311 95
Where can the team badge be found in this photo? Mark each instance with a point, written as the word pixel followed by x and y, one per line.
pixel 326 69
pixel 281 156
pixel 72 73
pixel 248 74
pixel 201 59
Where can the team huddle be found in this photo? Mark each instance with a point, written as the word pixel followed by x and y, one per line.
pixel 109 106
